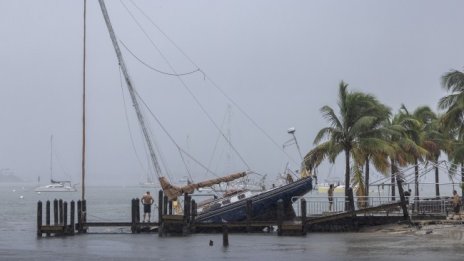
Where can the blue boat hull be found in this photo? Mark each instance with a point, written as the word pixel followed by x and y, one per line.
pixel 264 205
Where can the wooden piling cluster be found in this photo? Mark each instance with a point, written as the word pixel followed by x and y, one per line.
pixel 62 225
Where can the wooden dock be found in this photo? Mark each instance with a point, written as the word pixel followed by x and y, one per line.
pixel 65 216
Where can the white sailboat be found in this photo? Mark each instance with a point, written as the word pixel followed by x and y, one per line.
pixel 55 185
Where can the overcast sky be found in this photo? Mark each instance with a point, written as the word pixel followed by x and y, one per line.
pixel 280 61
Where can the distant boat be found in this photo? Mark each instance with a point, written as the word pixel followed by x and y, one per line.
pixel 56 185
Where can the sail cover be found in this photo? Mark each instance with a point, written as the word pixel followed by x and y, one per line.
pixel 172 192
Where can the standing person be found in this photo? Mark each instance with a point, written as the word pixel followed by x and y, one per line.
pixel 407 194
pixel 147 200
pixel 456 200
pixel 330 193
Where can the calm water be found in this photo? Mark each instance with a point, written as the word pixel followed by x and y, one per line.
pixel 18 240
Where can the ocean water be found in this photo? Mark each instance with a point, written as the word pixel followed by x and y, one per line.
pixel 18 239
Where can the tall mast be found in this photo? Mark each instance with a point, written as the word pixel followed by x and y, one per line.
pixel 135 103
pixel 83 105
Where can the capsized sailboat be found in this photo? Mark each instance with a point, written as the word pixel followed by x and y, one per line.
pixel 232 206
pixel 229 208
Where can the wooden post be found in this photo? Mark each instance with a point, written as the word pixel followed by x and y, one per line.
pixel 399 182
pixel 187 199
pixel 65 217
pixel 249 214
pixel 170 207
pixel 186 219
pixel 79 216
pixel 71 223
pixel 303 215
pixel 60 211
pixel 137 210
pixel 133 216
pixel 47 215
pixel 39 219
pixel 165 205
pixel 84 215
pixel 160 206
pixel 280 216
pixel 160 213
pixel 55 212
pixel 194 211
pixel 225 236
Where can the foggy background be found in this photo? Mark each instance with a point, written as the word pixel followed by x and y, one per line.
pixel 280 61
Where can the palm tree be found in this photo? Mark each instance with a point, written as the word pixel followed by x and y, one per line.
pixel 453 118
pixel 348 131
pixel 417 145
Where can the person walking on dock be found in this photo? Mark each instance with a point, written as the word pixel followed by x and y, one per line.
pixel 147 200
pixel 456 200
pixel 330 193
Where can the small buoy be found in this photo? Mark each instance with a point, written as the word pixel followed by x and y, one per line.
pixel 38 192
pixel 21 197
pixel 211 242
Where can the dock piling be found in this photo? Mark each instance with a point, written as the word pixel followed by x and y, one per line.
pixel 39 219
pixel 225 236
pixel 47 215
pixel 84 215
pixel 71 221
pixel 280 216
pixel 60 212
pixel 55 212
pixel 303 216
pixel 133 213
pixel 65 216
pixel 79 216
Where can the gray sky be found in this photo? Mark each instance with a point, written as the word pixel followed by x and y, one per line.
pixel 281 61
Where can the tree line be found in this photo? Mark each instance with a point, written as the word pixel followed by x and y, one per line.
pixel 367 133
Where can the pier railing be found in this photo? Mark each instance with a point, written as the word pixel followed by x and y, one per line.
pixel 320 205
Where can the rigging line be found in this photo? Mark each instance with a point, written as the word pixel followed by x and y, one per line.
pixel 186 166
pixel 185 86
pixel 214 84
pixel 153 140
pixel 153 68
pixel 215 144
pixel 171 138
pixel 128 125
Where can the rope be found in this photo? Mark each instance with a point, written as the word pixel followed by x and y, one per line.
pixel 215 85
pixel 170 137
pixel 128 125
pixel 153 68
pixel 185 86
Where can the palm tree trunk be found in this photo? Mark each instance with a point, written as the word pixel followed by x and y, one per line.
pixel 366 181
pixel 462 179
pixel 416 178
pixel 437 179
pixel 347 177
pixel 393 172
